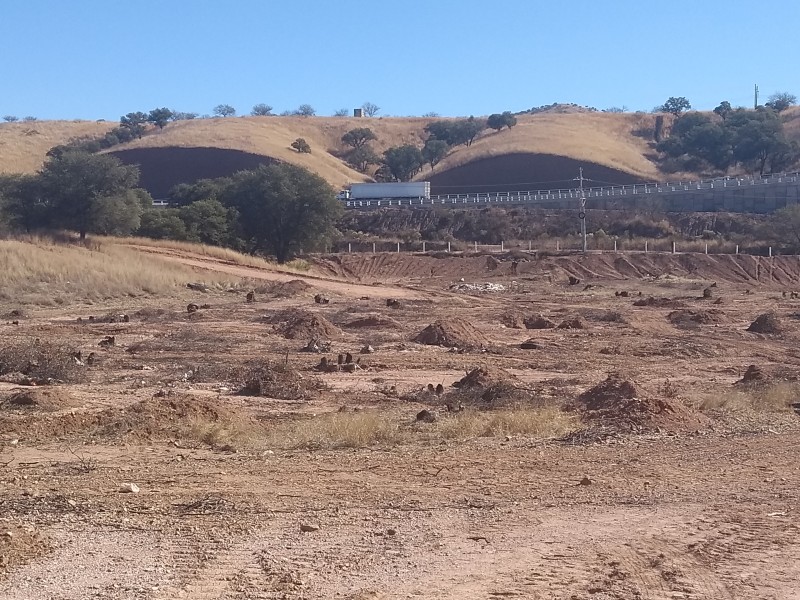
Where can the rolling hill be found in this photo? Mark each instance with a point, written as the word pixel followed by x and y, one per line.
pixel 543 151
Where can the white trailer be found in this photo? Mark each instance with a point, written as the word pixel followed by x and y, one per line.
pixel 381 191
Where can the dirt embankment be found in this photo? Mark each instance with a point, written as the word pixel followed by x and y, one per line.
pixel 744 269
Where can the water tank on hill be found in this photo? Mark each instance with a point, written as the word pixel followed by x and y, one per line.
pixel 358 112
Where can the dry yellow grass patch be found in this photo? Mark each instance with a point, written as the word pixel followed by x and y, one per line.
pixel 535 422
pixel 41 272
pixel 24 146
pixel 341 430
pixel 234 433
pixel 776 397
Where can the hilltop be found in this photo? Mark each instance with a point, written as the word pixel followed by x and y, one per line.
pixel 544 149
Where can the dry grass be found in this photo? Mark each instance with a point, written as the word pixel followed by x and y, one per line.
pixel 23 146
pixel 41 360
pixel 771 398
pixel 41 272
pixel 342 430
pixel 227 433
pixel 543 422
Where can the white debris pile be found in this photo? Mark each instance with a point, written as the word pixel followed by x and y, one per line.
pixel 478 287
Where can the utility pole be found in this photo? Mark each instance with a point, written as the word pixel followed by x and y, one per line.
pixel 755 104
pixel 582 213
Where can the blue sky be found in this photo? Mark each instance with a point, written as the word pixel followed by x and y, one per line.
pixel 93 59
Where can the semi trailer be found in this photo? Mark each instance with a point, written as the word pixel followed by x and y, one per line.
pixel 387 191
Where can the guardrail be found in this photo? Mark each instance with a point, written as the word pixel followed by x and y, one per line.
pixel 542 196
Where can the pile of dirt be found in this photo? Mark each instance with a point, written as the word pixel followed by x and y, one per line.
pixel 451 333
pixel 374 321
pixel 277 381
pixel 767 323
pixel 753 375
pixel 617 401
pixel 46 399
pixel 479 377
pixel 308 326
pixel 573 323
pixel 692 318
pixel 659 302
pixel 513 320
pixel 538 322
pixel 488 389
pixel 287 289
pixel 163 417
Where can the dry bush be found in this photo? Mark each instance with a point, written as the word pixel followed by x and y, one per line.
pixel 41 272
pixel 275 380
pixel 544 422
pixel 342 430
pixel 227 432
pixel 770 398
pixel 41 360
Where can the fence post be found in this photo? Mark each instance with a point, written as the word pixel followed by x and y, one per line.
pixel 373 247
pixel 673 247
pixel 529 245
pixel 558 245
pixel 770 251
pixel 501 246
pixel 615 245
pixel 737 248
pixel 448 246
pixel 423 247
pixel 706 247
pixel 349 247
pixel 476 246
pixel 398 246
pixel 645 245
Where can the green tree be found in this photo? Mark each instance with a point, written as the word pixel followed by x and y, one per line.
pixel 780 101
pixel 160 117
pixel 724 109
pixel 362 158
pixel 675 105
pixel 202 189
pixel 92 193
pixel 468 129
pixel 183 116
pixel 301 145
pixel 758 138
pixel 26 205
pixel 134 122
pixel 499 120
pixel 403 161
pixel 162 224
pixel 208 222
pixel 434 151
pixel 783 227
pixel 10 118
pixel 261 110
pixel 224 110
pixel 305 110
pixel 358 137
pixel 283 209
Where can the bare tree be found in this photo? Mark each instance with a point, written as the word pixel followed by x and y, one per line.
pixel 370 109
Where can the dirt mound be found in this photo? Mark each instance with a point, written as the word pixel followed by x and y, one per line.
pixel 753 375
pixel 573 323
pixel 767 323
pixel 277 381
pixel 618 402
pixel 286 289
pixel 513 320
pixel 374 321
pixel 539 322
pixel 47 399
pixel 164 417
pixel 488 389
pixel 451 333
pixel 659 302
pixel 308 326
pixel 477 378
pixel 691 318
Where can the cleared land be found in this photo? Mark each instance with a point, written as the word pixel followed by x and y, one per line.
pixel 262 471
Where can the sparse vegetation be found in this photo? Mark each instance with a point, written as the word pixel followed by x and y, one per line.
pixel 261 110
pixel 301 146
pixel 774 397
pixel 224 110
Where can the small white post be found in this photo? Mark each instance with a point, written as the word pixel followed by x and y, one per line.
pixel 423 246
pixel 529 245
pixel 770 251
pixel 706 247
pixel 476 246
pixel 373 247
pixel 448 246
pixel 615 245
pixel 398 246
pixel 673 247
pixel 558 245
pixel 737 248
pixel 645 245
pixel 501 246
pixel 349 247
